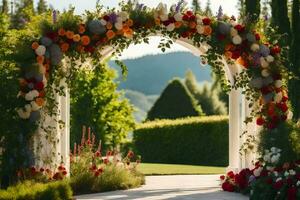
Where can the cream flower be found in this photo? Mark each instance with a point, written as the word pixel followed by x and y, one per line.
pixel 34 106
pixel 263 62
pixel 237 40
pixel 265 73
pixel 124 15
pixel 171 27
pixel 178 17
pixel 41 50
pixel 22 114
pixel 270 58
pixel 200 29
pixel 278 84
pixel 254 47
pixel 233 32
pixel 119 26
pixel 103 22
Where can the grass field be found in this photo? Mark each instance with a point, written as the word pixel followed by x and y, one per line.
pixel 172 169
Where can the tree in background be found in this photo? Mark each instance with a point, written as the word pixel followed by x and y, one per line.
pixel 4 7
pixel 96 103
pixel 206 96
pixel 265 9
pixel 294 84
pixel 24 11
pixel 196 6
pixel 252 9
pixel 241 8
pixel 42 7
pixel 207 10
pixel 174 102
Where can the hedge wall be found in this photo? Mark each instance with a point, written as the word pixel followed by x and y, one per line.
pixel 195 140
pixel 59 190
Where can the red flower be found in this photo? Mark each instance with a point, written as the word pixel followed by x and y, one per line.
pixel 221 37
pixel 33 170
pixel 222 177
pixel 106 17
pixel 230 174
pixel 97 154
pixel 189 13
pixel 52 35
pixel 285 98
pixel 239 28
pixel 277 185
pixel 271 125
pixel 100 170
pixel 97 174
pixel 226 186
pixel 235 54
pixel 275 50
pixel 206 21
pixel 42 170
pixel 257 36
pixel 185 18
pixel 64 173
pixel 130 154
pixel 61 168
pixel 265 90
pixel 260 121
pixel 291 193
pixel 93 168
pixel 192 18
pixel 105 161
pixel 185 34
pixel 39 86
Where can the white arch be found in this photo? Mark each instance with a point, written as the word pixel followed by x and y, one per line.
pixel 238 110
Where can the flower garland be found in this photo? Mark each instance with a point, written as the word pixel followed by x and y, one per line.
pixel 237 42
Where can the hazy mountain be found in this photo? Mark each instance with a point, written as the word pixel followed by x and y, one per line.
pixel 151 73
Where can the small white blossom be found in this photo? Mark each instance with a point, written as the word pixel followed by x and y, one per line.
pixel 237 40
pixel 41 50
pixel 278 84
pixel 171 27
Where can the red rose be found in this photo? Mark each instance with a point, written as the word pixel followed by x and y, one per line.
pixel 235 55
pixel 60 168
pixel 257 36
pixel 185 34
pixel 93 168
pixel 97 174
pixel 230 174
pixel 221 37
pixel 193 30
pixel 206 21
pixel 260 121
pixel 89 49
pixel 97 153
pixel 275 50
pixel 277 185
pixel 284 107
pixel 192 18
pixel 185 17
pixel 64 173
pixel 222 177
pixel 189 13
pixel 166 23
pixel 42 170
pixel 291 193
pixel 39 86
pixel 106 18
pixel 100 170
pixel 285 98
pixel 52 35
pixel 239 28
pixel 227 187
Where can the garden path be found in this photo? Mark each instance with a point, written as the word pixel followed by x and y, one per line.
pixel 179 187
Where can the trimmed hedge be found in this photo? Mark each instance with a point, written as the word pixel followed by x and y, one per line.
pixel 195 140
pixel 60 190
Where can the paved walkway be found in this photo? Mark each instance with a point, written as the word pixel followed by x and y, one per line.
pixel 188 187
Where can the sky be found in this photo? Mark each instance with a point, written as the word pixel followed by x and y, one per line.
pixel 229 8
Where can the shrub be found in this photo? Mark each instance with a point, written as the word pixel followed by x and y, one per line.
pixel 92 172
pixel 30 190
pixel 174 102
pixel 197 140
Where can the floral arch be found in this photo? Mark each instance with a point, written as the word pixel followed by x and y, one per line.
pixel 253 67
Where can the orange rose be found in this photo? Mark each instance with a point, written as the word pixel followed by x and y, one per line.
pixel 207 30
pixel 228 47
pixel 61 32
pixel 70 34
pixel 35 45
pixel 128 33
pixel 157 21
pixel 64 47
pixel 40 59
pixel 120 32
pixel 76 38
pixel 81 28
pixel 42 93
pixel 109 25
pixel 110 34
pixel 85 40
pixel 125 27
pixel 241 61
pixel 178 24
pixel 192 25
pixel 129 22
pixel 40 101
pixel 228 54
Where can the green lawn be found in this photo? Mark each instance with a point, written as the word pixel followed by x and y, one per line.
pixel 172 169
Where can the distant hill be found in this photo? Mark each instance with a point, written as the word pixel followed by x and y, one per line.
pixel 151 73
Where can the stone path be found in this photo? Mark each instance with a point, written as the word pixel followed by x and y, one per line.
pixel 182 187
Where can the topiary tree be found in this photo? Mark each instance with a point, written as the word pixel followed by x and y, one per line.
pixel 207 97
pixel 42 6
pixel 174 102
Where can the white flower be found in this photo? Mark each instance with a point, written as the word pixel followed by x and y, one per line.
pixel 171 27
pixel 164 17
pixel 22 114
pixel 119 20
pixel 275 158
pixel 257 171
pixel 28 108
pixel 42 69
pixel 265 73
pixel 178 17
pixel 103 22
pixel 254 47
pixel 267 157
pixel 278 97
pixel 41 50
pixel 233 32
pixel 270 168
pixel 290 115
pixel 278 84
pixel 286 173
pixel 270 58
pixel 34 106
pixel 124 15
pixel 233 22
pixel 119 26
pixel 263 62
pixel 292 172
pixel 31 95
pixel 298 183
pixel 237 40
pixel 278 179
pixel 275 173
pixel 200 29
pixel 273 149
